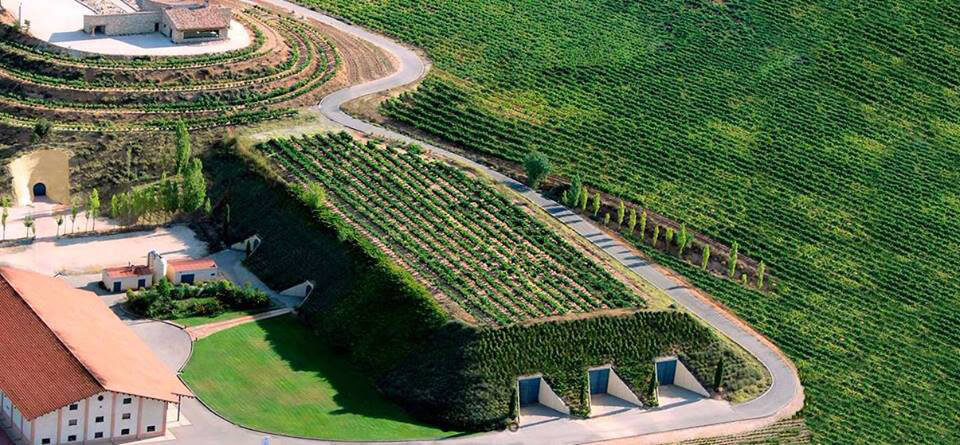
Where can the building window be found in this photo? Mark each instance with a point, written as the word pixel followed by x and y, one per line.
pixel 151 428
pixel 98 435
pixel 72 438
pixel 125 416
pixel 127 400
pixel 44 441
pixel 72 422
pixel 99 419
pixel 74 406
pixel 125 431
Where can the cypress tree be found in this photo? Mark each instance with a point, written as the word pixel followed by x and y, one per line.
pixel 596 204
pixel 682 239
pixel 515 406
pixel 761 269
pixel 632 220
pixel 621 212
pixel 584 196
pixel 718 376
pixel 643 225
pixel 606 219
pixel 183 147
pixel 656 236
pixel 732 260
pixel 93 207
pixel 706 257
pixel 668 238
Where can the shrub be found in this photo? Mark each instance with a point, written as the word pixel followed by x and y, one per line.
pixel 538 167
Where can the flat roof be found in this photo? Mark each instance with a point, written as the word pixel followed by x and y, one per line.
pixel 128 271
pixel 191 264
pixel 196 19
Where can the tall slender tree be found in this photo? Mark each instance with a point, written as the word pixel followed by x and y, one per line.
pixel 656 236
pixel 718 376
pixel 732 260
pixel 631 220
pixel 28 223
pixel 705 261
pixel 584 197
pixel 74 210
pixel 595 205
pixel 682 239
pixel 621 212
pixel 5 206
pixel 59 223
pixel 761 270
pixel 93 207
pixel 643 225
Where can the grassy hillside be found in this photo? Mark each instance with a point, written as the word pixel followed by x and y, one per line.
pixel 824 136
pixel 393 329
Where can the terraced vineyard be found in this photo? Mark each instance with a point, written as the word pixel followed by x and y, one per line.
pixel 285 66
pixel 472 244
pixel 823 136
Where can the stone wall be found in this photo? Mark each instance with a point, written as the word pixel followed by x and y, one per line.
pixel 120 24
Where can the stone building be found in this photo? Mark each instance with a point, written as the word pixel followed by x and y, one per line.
pixel 182 21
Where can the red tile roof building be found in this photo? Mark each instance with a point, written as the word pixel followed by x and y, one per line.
pixel 65 354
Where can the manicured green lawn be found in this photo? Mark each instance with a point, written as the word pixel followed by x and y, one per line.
pixel 275 375
pixel 197 321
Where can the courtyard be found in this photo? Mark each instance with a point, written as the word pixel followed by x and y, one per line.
pixel 60 22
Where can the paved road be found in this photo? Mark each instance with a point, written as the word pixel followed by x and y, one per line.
pixel 784 393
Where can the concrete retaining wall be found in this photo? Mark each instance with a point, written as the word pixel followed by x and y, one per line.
pixel 684 379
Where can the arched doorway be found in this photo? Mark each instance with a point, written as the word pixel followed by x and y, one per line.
pixel 39 189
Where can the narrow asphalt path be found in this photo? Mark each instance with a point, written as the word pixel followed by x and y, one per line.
pixel 785 395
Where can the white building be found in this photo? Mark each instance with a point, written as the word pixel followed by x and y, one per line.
pixel 71 371
pixel 182 270
pixel 119 279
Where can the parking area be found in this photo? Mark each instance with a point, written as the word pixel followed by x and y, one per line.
pixel 90 254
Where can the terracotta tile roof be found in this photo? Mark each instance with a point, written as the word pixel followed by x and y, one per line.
pixel 186 19
pixel 61 345
pixel 190 264
pixel 127 271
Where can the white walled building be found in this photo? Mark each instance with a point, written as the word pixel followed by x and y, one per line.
pixel 183 270
pixel 71 371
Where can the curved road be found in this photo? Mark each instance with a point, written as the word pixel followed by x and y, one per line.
pixel 783 398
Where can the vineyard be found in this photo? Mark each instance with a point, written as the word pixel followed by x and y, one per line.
pixel 287 65
pixel 443 371
pixel 469 241
pixel 824 137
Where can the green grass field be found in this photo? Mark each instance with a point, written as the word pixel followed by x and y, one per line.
pixel 276 376
pixel 823 136
pixel 197 321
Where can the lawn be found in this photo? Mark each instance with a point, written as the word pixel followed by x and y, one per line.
pixel 201 320
pixel 276 376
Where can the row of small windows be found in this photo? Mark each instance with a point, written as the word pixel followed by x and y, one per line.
pixel 98 435
pixel 126 401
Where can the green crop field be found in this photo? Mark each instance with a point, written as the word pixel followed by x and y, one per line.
pixel 275 375
pixel 823 136
pixel 475 246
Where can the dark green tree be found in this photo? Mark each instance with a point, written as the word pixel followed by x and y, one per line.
pixel 643 225
pixel 595 205
pixel 706 257
pixel 631 220
pixel 652 389
pixel 718 376
pixel 194 190
pixel 656 236
pixel 538 167
pixel 682 239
